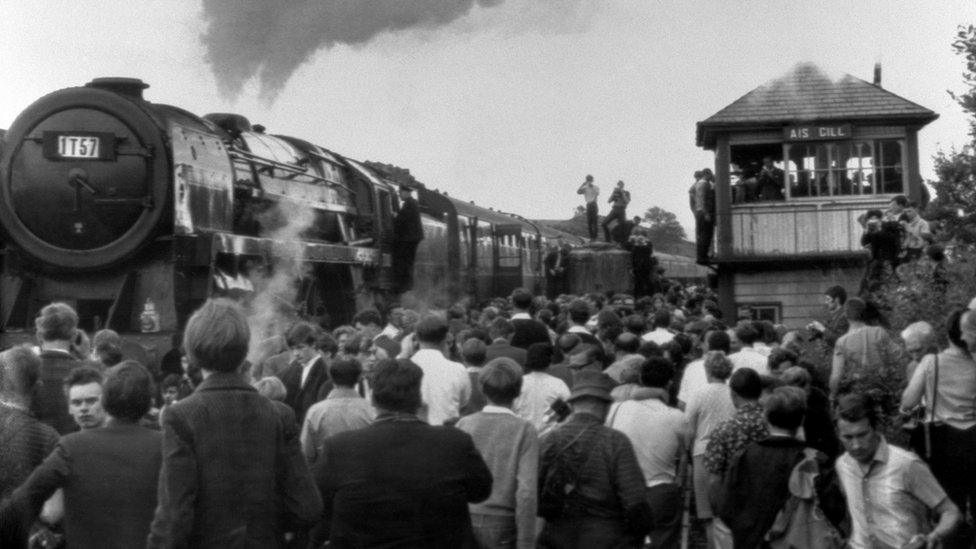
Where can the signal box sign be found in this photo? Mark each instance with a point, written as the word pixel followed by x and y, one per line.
pixel 833 132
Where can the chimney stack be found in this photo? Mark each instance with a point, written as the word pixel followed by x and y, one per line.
pixel 877 74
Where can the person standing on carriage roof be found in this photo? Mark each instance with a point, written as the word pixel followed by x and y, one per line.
pixel 408 231
pixel 590 192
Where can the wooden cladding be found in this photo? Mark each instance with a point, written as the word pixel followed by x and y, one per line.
pixel 797 228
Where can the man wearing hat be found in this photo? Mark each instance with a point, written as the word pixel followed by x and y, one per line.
pixel 408 231
pixel 591 486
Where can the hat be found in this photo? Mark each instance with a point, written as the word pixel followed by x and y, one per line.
pixel 592 384
pixel 405 188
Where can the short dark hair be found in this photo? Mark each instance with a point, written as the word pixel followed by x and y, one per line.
pixel 567 342
pixel 746 333
pixel 216 337
pixel 396 385
pixel 538 357
pixel 718 365
pixel 635 324
pixel 855 309
pixel 327 344
pixel 345 372
pixel 785 407
pixel 474 351
pixel 20 369
pixel 838 293
pixel 779 356
pixel 368 316
pixel 718 340
pixel 432 329
pixel 56 322
pixel 500 327
pixel 746 383
pixel 82 376
pixel 901 200
pixel 302 333
pixel 656 371
pixel 954 327
pixel 501 380
pixel 874 213
pixel 108 353
pixel 662 318
pixel 649 349
pixel 627 342
pixel 127 391
pixel 171 380
pixel 853 407
pixel 579 311
pixel 521 298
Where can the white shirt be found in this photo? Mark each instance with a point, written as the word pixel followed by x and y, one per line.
pixel 750 358
pixel 521 316
pixel 445 387
pixel 693 379
pixel 306 368
pixel 658 432
pixel 659 336
pixel 539 391
pixel 577 329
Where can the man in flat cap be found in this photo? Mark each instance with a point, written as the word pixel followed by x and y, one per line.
pixel 591 488
pixel 408 231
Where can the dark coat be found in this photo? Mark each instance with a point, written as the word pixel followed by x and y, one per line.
pixel 230 472
pixel 407 226
pixel 50 405
pixel 756 487
pixel 109 476
pixel 300 397
pixel 505 349
pixel 529 331
pixel 401 484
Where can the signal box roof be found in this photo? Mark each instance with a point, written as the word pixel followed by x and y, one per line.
pixel 807 94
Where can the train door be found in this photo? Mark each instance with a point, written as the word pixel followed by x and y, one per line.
pixel 508 259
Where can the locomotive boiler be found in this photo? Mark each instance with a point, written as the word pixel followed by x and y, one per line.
pixel 120 207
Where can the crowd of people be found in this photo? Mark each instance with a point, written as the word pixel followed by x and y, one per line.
pixel 580 421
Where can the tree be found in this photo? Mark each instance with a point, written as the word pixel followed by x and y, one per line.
pixel 955 204
pixel 664 225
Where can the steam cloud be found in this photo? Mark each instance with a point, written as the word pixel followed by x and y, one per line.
pixel 271 40
pixel 270 310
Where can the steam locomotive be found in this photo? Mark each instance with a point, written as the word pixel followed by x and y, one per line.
pixel 136 212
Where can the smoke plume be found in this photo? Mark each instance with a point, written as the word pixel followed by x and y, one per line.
pixel 271 40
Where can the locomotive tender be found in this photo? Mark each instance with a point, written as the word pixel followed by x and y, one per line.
pixel 117 205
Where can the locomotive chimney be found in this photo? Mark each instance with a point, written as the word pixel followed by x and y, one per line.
pixel 877 74
pixel 130 87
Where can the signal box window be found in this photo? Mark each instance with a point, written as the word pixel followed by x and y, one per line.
pixel 848 168
pixel 758 173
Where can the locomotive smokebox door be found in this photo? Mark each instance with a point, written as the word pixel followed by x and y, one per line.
pixel 83 178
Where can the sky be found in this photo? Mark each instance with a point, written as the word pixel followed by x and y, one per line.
pixel 509 103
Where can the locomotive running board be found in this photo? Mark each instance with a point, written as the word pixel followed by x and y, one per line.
pixel 314 252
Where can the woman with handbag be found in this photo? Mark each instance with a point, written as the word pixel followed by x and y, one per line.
pixel 947 381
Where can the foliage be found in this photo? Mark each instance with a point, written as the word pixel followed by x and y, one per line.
pixel 955 205
pixel 664 225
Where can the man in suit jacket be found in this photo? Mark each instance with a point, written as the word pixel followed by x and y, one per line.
pixel 500 332
pixel 24 441
pixel 408 231
pixel 307 373
pixel 400 481
pixel 232 475
pixel 527 329
pixel 56 326
pixel 556 264
pixel 109 475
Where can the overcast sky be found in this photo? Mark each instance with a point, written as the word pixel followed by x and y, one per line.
pixel 509 103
